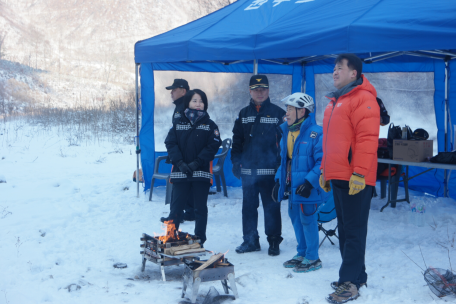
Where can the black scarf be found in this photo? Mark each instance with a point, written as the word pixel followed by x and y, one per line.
pixel 194 115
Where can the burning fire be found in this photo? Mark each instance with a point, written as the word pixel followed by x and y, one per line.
pixel 170 232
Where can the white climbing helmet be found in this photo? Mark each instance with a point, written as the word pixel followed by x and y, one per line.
pixel 300 100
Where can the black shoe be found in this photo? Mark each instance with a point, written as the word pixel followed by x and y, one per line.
pixel 249 247
pixel 189 216
pixel 165 219
pixel 274 242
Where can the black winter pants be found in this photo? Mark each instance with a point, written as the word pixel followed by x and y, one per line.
pixel 200 192
pixel 252 186
pixel 352 216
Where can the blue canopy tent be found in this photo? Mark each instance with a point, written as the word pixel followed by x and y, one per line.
pixel 301 38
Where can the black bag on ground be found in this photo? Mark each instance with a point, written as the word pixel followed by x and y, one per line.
pixel 444 158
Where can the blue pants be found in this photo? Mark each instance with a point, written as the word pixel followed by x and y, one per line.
pixel 306 229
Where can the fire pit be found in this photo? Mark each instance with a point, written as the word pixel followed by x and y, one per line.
pixel 170 249
pixel 217 268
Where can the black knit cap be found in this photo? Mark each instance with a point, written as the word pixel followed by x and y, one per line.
pixel 189 95
pixel 258 81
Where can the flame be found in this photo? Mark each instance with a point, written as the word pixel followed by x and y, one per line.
pixel 170 232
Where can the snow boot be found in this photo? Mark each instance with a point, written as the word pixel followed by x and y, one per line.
pixel 249 247
pixel 335 285
pixel 344 293
pixel 307 266
pixel 274 242
pixel 296 260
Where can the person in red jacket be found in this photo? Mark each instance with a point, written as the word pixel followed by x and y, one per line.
pixel 351 126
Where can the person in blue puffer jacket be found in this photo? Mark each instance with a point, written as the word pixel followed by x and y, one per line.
pixel 298 178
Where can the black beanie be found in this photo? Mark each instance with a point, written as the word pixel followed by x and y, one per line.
pixel 190 94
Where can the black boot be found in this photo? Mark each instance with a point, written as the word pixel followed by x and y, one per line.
pixel 249 246
pixel 165 219
pixel 274 242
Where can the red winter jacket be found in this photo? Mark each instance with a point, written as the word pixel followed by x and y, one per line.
pixel 351 127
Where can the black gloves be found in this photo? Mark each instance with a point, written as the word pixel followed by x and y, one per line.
pixel 184 168
pixel 304 189
pixel 237 170
pixel 275 192
pixel 194 165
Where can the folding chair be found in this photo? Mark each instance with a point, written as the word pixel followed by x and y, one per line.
pixel 327 213
pixel 165 176
pixel 217 170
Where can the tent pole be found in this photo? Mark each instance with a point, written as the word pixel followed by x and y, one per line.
pixel 255 67
pixel 447 88
pixel 137 130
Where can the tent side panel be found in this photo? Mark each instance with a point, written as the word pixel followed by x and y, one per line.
pixel 296 85
pixel 146 136
pixel 431 182
pixel 452 128
pixel 452 105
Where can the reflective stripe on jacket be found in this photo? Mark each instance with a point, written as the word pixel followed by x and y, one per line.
pixel 351 126
pixel 188 143
pixel 256 138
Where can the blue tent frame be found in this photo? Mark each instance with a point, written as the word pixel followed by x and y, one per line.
pixel 176 50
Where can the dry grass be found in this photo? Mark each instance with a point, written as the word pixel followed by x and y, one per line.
pixel 114 120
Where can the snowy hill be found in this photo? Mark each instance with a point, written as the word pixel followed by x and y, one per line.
pixel 86 47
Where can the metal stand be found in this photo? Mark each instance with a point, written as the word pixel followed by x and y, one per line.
pixel 328 234
pixel 194 278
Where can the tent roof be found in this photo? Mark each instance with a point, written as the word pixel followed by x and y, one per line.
pixel 286 29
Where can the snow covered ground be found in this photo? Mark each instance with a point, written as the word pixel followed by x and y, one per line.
pixel 68 213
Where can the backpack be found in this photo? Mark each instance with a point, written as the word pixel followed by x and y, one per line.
pixel 384 117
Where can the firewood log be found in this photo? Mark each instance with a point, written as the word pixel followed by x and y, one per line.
pixel 172 250
pixel 180 252
pixel 211 261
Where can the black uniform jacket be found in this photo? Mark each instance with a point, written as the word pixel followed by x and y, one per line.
pixel 179 109
pixel 256 139
pixel 188 143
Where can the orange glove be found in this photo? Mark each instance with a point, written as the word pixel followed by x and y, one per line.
pixel 324 184
pixel 356 184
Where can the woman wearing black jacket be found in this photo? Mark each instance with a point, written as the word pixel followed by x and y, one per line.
pixel 192 144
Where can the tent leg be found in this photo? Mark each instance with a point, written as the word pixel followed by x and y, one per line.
pixel 255 67
pixel 138 150
pixel 447 140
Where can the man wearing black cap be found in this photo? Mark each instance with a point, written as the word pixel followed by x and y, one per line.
pixel 178 90
pixel 256 157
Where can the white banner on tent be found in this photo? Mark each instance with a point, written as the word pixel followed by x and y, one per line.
pixel 256 4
